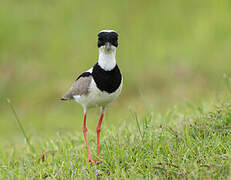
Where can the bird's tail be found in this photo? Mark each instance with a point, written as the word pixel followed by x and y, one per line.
pixel 67 96
pixel 64 99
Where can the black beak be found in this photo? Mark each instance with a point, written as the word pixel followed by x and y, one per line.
pixel 107 46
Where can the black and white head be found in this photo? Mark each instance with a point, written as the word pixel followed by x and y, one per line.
pixel 107 40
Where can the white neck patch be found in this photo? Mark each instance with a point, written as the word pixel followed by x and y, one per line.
pixel 107 61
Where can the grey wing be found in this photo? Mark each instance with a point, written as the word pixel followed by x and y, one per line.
pixel 80 87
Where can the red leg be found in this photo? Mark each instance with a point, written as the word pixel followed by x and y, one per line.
pixel 86 141
pixel 98 129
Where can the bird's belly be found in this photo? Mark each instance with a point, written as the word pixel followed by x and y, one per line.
pixel 100 99
pixel 95 97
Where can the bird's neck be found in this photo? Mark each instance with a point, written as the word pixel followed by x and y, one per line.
pixel 107 60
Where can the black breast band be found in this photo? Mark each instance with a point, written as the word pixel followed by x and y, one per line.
pixel 108 81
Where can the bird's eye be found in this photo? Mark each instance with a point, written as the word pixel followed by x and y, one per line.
pixel 100 39
pixel 114 39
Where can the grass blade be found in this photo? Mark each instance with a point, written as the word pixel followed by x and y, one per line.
pixel 20 125
pixel 137 123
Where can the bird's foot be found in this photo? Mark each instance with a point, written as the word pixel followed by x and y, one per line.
pixel 99 162
pixel 94 162
pixel 91 160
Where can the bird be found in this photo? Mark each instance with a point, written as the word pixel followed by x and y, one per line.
pixel 100 85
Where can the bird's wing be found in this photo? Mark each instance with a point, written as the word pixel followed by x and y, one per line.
pixel 79 87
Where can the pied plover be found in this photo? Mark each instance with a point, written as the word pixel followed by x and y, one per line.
pixel 100 85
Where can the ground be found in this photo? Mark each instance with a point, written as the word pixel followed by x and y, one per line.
pixel 190 145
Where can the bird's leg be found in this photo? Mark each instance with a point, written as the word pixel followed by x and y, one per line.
pixel 86 141
pixel 98 129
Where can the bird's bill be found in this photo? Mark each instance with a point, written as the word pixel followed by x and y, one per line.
pixel 108 46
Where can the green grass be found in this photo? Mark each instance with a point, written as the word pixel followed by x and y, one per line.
pixel 190 145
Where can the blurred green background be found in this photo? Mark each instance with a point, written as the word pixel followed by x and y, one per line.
pixel 169 52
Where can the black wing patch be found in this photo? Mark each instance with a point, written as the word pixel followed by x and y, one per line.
pixel 85 74
pixel 108 81
pixel 79 87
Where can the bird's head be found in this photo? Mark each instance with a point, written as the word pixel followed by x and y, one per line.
pixel 107 40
